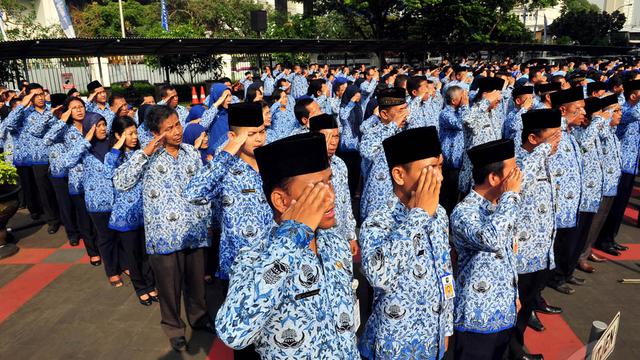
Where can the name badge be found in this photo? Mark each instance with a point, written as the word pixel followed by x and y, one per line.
pixel 247 191
pixel 447 286
pixel 515 244
pixel 356 306
pixel 307 294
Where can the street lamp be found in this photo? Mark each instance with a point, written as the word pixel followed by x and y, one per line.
pixel 621 6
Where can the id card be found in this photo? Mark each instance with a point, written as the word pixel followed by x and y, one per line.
pixel 515 244
pixel 447 286
pixel 356 315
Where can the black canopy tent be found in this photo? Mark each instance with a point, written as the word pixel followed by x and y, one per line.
pixel 58 48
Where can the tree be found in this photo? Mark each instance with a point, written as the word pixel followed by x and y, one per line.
pixel 21 20
pixel 578 6
pixel 102 19
pixel 587 27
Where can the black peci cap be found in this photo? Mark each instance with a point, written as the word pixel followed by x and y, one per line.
pixel 412 145
pixel 322 122
pixel 491 152
pixel 245 115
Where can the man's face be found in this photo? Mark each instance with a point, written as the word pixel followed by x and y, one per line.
pixel 616 114
pixel 256 137
pixel 397 114
pixel 172 98
pixel 149 100
pixel 119 107
pixel 547 136
pixel 266 115
pixel 332 136
pixel 297 185
pixel 313 109
pixel 574 113
pixel 422 89
pixel 172 129
pixel 38 99
pixel 101 95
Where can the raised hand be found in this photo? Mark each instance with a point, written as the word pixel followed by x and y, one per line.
pixel 427 193
pixel 66 115
pixel 26 100
pixel 154 145
pixel 513 181
pixel 311 206
pixel 356 97
pixel 235 142
pixel 90 133
pixel 120 142
pixel 198 143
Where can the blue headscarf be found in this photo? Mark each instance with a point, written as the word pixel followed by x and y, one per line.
pixel 99 148
pixel 191 133
pixel 356 115
pixel 220 128
pixel 195 113
pixel 142 113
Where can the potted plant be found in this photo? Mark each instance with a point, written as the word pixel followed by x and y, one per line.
pixel 9 190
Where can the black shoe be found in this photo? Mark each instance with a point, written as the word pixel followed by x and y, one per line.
pixel 548 309
pixel 95 263
pixel 620 247
pixel 147 302
pixel 526 356
pixel 53 228
pixel 178 343
pixel 563 288
pixel 609 249
pixel 574 280
pixel 535 323
pixel 207 326
pixel 74 242
pixel 154 298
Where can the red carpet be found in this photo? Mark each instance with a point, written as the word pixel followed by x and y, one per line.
pixel 557 342
pixel 21 289
pixel 219 351
pixel 28 256
pixel 632 254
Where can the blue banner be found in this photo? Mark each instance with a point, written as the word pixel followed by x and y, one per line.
pixel 65 19
pixel 164 15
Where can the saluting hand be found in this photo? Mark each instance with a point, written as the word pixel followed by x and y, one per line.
pixel 120 142
pixel 554 140
pixel 356 97
pixel 199 140
pixel 311 206
pixel 427 194
pixel 235 141
pixel 154 145
pixel 26 100
pixel 66 115
pixel 513 181
pixel 89 135
pixel 91 96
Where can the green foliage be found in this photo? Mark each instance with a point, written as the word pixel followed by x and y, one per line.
pixel 102 19
pixel 578 6
pixel 587 27
pixel 8 71
pixel 8 173
pixel 139 87
pixel 21 19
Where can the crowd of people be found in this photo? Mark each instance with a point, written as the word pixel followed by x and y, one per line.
pixel 461 189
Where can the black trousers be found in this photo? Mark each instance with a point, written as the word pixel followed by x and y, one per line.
pixel 65 207
pixel 584 224
pixel 85 225
pixel 29 190
pixel 133 245
pixel 449 193
pixel 616 214
pixel 107 243
pixel 564 246
pixel 474 346
pixel 180 274
pixel 544 277
pixel 596 226
pixel 528 289
pixel 46 194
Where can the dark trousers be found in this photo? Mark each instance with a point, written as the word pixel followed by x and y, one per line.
pixel 65 207
pixel 544 277
pixel 474 346
pixel 449 193
pixel 564 246
pixel 596 226
pixel 528 289
pixel 137 260
pixel 180 273
pixel 584 224
pixel 107 243
pixel 85 225
pixel 29 190
pixel 46 194
pixel 616 214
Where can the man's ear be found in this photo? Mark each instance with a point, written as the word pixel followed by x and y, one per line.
pixel 279 200
pixel 397 174
pixel 532 139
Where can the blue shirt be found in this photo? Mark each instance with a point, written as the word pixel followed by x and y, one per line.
pixel 566 170
pixel 487 282
pixel 289 302
pixel 242 208
pixel 299 86
pixel 27 127
pixel 629 134
pixel 611 159
pixel 268 83
pixel 592 177
pixel 512 128
pixel 127 214
pixel 346 222
pixel 171 223
pixel 452 135
pixel 405 256
pixel 106 113
pixel 54 140
pixel 535 228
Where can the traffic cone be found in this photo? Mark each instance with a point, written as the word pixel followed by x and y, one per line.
pixel 202 94
pixel 194 96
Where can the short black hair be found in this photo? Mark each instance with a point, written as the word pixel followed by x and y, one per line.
pixel 32 86
pixel 157 115
pixel 480 174
pixel 114 97
pixel 525 134
pixel 280 82
pixel 401 81
pixel 300 110
pixel 165 89
pixel 414 83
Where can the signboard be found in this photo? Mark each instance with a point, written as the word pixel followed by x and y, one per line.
pixel 605 345
pixel 67 81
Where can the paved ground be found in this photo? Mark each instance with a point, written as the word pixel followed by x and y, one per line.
pixel 54 305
